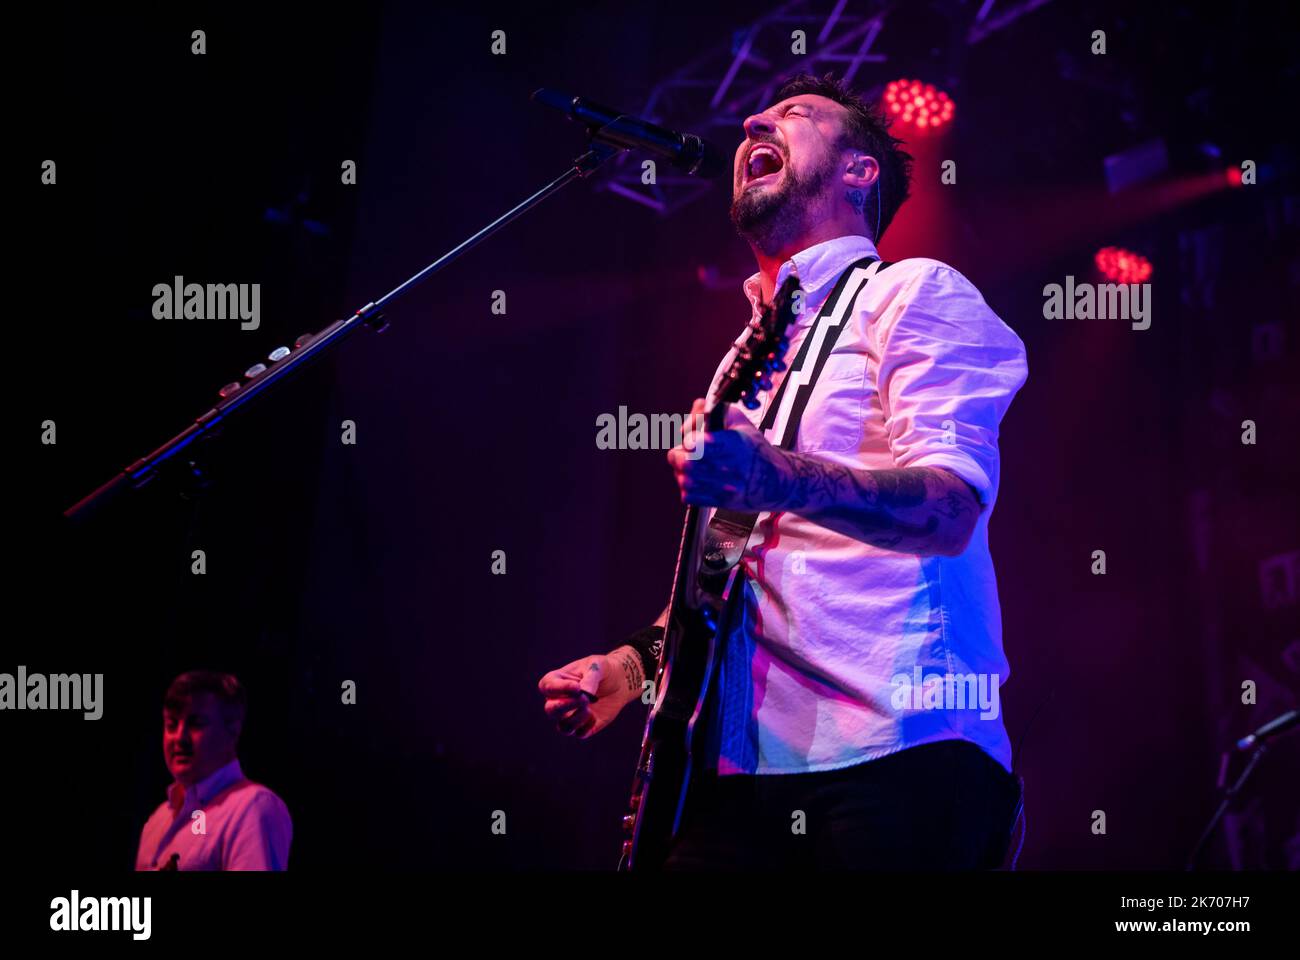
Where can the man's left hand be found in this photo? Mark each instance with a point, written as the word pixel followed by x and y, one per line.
pixel 735 468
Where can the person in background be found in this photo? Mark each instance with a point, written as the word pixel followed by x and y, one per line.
pixel 214 818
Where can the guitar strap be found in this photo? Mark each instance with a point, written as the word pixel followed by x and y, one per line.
pixel 729 530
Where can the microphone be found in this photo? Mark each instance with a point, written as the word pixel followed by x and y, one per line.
pixel 1271 729
pixel 685 151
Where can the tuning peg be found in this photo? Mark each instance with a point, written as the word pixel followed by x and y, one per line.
pixel 778 366
pixel 764 383
pixel 750 401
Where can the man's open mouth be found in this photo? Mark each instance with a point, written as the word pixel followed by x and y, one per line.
pixel 763 163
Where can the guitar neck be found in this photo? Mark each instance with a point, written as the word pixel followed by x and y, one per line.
pixel 716 418
pixel 692 529
pixel 686 553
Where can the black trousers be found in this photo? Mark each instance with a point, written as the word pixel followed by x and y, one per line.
pixel 939 806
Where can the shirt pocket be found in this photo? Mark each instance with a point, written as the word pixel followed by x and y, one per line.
pixel 833 417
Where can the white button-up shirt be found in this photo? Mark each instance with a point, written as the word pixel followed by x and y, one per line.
pixel 244 826
pixel 848 652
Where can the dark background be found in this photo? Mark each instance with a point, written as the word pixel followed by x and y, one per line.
pixel 475 431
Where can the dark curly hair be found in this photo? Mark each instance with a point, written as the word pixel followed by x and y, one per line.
pixel 226 687
pixel 867 130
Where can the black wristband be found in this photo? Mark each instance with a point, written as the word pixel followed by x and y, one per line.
pixel 648 642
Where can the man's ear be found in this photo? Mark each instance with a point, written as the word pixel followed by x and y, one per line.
pixel 861 171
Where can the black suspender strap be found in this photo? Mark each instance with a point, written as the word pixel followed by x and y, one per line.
pixel 729 530
pixel 786 442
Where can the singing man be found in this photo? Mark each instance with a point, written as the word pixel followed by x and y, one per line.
pixel 869 565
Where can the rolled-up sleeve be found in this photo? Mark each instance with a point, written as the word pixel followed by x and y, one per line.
pixel 949 368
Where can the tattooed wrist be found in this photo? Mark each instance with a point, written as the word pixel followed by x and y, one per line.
pixel 632 672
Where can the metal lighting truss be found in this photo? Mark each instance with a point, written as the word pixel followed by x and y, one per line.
pixel 715 93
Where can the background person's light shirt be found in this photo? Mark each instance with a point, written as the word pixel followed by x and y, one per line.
pixel 247 826
pixel 921 376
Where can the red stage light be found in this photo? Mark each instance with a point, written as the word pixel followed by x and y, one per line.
pixel 919 104
pixel 1123 266
pixel 1234 176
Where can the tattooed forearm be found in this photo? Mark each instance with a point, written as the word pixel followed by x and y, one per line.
pixel 952 505
pixel 924 511
pixel 919 510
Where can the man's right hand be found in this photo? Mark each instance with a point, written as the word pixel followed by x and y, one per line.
pixel 613 679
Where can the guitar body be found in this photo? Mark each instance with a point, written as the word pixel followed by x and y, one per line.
pixel 691 640
pixel 663 773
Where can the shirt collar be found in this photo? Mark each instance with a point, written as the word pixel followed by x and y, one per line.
pixel 817 268
pixel 207 788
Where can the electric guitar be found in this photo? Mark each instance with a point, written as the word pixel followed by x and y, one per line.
pixel 691 632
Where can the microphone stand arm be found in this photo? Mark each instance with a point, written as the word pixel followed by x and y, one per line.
pixel 310 348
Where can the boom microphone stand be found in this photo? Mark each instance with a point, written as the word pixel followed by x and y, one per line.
pixel 283 363
pixel 1256 744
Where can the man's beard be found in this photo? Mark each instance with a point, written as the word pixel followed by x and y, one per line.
pixel 771 219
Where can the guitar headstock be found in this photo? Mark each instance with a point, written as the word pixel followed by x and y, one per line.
pixel 763 352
